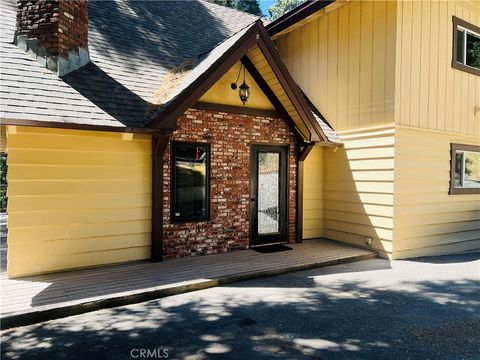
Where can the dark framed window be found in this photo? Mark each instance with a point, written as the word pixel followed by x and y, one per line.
pixel 465 169
pixel 466 46
pixel 190 191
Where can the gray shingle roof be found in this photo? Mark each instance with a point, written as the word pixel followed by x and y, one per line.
pixel 205 62
pixel 132 46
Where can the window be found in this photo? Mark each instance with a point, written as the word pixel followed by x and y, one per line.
pixel 465 169
pixel 466 46
pixel 190 181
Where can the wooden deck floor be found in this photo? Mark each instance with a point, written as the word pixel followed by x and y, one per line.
pixel 43 292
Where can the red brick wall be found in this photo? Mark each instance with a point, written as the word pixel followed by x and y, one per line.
pixel 229 136
pixel 59 25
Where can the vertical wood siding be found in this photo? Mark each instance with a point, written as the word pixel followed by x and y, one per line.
pixel 359 189
pixel 429 221
pixel 345 62
pixel 430 93
pixel 368 64
pixel 77 199
pixel 313 194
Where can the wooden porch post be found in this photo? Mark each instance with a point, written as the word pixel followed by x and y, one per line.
pixel 159 144
pixel 302 155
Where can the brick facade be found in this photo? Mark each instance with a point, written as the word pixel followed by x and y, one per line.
pixel 229 136
pixel 59 25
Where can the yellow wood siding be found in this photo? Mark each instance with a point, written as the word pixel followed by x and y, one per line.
pixel 222 93
pixel 429 221
pixel 380 66
pixel 359 189
pixel 76 199
pixel 345 62
pixel 313 194
pixel 430 93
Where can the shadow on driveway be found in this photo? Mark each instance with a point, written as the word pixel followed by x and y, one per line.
pixel 411 311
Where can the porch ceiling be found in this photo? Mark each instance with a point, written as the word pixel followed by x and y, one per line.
pixel 257 58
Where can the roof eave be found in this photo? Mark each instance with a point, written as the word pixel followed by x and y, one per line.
pixel 255 35
pixel 297 14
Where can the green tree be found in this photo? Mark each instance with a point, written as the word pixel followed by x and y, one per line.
pixel 227 3
pixel 473 53
pixel 249 6
pixel 281 7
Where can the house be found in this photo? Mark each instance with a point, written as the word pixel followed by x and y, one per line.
pixel 149 129
pixel 159 130
pixel 399 81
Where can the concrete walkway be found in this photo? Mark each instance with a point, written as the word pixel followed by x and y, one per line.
pixel 38 298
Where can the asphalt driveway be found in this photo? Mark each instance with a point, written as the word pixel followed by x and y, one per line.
pixel 374 309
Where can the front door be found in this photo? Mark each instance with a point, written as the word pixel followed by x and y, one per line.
pixel 268 194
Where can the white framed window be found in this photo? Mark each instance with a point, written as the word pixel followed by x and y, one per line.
pixel 466 46
pixel 465 169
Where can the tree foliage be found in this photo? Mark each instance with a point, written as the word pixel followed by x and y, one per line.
pixel 281 7
pixel 249 6
pixel 228 3
pixel 473 54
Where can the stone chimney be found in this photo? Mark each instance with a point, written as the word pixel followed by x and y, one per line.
pixel 54 32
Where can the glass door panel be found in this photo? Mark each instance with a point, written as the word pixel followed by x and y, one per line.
pixel 268 192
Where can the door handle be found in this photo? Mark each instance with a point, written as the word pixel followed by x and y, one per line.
pixel 252 199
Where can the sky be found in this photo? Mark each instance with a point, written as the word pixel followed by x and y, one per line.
pixel 265 4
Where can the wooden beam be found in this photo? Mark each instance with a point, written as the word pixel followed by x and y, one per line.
pixel 159 144
pixel 232 109
pixel 267 47
pixel 252 70
pixel 304 151
pixel 302 155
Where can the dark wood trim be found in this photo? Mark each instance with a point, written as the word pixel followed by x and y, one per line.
pixel 302 155
pixel 262 84
pixel 232 109
pixel 159 144
pixel 465 24
pixel 304 151
pixel 455 190
pixel 73 126
pixel 173 181
pixel 455 64
pixel 167 119
pixel 299 204
pixel 297 14
pixel 268 49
